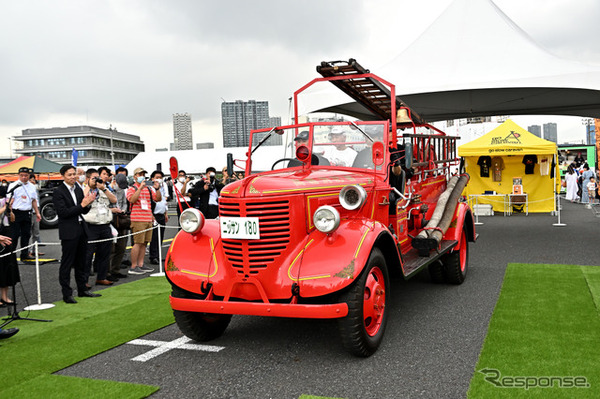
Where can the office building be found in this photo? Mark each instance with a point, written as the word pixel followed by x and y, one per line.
pixel 550 132
pixel 182 132
pixel 274 121
pixel 240 117
pixel 93 144
pixel 535 129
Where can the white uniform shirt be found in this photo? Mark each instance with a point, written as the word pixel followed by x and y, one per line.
pixel 339 158
pixel 23 196
pixel 179 186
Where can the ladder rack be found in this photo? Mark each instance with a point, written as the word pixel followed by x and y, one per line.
pixel 365 90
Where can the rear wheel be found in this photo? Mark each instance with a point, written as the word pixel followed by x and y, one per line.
pixel 456 262
pixel 199 326
pixel 436 271
pixel 363 328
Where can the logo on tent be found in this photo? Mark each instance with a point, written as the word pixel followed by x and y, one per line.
pixel 512 138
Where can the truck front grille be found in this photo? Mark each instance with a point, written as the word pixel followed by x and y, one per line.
pixel 251 256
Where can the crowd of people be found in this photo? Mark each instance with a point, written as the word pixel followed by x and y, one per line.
pixel 98 213
pixel 581 184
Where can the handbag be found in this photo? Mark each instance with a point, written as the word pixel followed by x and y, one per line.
pixel 121 221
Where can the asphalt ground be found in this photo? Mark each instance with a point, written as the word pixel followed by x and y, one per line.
pixel 432 342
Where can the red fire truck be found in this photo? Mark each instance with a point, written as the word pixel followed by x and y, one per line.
pixel 319 234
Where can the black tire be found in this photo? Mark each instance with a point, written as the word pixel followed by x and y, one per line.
pixel 362 333
pixel 49 216
pixel 199 326
pixel 456 263
pixel 436 271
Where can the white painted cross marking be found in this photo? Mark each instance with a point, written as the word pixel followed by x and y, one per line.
pixel 163 347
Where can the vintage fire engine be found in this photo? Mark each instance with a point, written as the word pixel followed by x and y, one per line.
pixel 319 234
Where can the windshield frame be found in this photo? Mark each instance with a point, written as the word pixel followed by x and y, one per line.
pixel 361 140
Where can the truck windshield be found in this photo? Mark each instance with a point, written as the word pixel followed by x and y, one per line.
pixel 333 144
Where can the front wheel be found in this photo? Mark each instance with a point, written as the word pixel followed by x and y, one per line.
pixel 456 262
pixel 201 326
pixel 362 329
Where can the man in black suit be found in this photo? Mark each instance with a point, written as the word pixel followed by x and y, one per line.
pixel 70 204
pixel 208 191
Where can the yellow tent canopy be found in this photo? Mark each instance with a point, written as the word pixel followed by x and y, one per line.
pixel 506 146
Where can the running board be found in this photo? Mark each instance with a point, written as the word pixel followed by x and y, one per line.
pixel 414 263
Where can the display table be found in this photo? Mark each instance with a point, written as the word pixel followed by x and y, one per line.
pixel 518 199
pixel 500 197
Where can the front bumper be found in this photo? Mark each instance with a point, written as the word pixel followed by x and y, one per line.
pixel 327 311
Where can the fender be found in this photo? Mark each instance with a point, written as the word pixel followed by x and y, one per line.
pixel 462 218
pixel 329 263
pixel 192 260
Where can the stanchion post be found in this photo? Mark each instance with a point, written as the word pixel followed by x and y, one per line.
pixel 160 261
pixel 559 224
pixel 477 222
pixel 39 305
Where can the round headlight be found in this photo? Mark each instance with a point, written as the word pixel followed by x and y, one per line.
pixel 353 197
pixel 191 220
pixel 326 219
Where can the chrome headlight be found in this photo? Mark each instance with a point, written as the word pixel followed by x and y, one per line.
pixel 191 220
pixel 326 219
pixel 353 197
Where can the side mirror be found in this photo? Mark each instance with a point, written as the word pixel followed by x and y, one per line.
pixel 230 164
pixel 377 153
pixel 408 155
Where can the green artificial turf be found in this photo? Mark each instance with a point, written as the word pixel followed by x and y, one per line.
pixel 77 332
pixel 546 324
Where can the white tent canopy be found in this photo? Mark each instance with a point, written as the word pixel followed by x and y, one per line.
pixel 475 61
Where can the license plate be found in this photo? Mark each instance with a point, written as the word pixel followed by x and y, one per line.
pixel 240 228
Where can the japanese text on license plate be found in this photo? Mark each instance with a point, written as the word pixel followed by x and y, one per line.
pixel 240 228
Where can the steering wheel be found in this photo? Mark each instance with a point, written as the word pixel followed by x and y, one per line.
pixel 285 159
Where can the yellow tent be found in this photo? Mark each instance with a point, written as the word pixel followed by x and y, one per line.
pixel 505 154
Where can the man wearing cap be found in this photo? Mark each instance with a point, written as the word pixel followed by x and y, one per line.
pixel 140 197
pixel 339 154
pixel 24 199
pixel 302 139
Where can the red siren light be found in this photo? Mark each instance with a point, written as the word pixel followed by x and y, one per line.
pixel 302 153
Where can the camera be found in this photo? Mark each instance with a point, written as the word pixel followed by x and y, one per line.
pixel 98 180
pixel 191 178
pixel 149 182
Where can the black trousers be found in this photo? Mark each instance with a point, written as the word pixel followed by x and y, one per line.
pixel 118 251
pixel 101 249
pixel 73 257
pixel 160 218
pixel 21 228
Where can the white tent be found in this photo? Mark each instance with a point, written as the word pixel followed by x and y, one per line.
pixel 475 61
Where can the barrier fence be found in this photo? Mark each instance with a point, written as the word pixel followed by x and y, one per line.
pixel 39 305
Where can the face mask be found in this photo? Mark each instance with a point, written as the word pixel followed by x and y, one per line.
pixel 182 179
pixel 212 174
pixel 140 179
pixel 4 184
pixel 81 178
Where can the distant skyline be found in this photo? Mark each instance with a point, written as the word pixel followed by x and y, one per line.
pixel 134 64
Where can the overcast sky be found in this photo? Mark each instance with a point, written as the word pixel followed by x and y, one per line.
pixel 133 63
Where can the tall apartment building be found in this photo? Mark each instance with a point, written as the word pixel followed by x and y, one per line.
pixel 274 121
pixel 182 132
pixel 535 129
pixel 550 132
pixel 93 144
pixel 239 117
